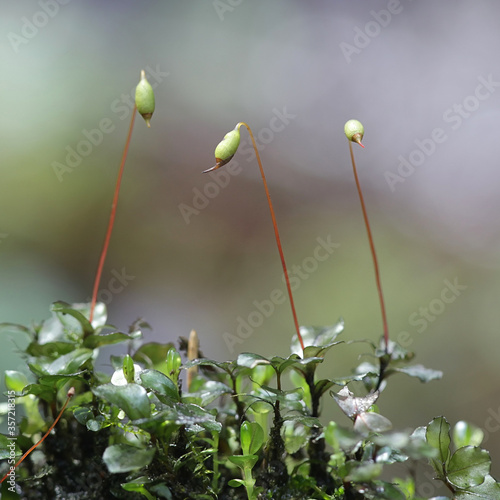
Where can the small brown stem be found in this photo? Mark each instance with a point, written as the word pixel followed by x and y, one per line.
pixel 70 394
pixel 372 248
pixel 111 218
pixel 277 235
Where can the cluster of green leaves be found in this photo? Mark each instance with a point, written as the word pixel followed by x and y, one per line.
pixel 246 428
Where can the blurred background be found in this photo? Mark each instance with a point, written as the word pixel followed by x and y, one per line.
pixel 198 251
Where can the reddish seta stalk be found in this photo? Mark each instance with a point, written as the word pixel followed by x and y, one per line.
pixel 111 222
pixel 370 240
pixel 228 147
pixel 70 394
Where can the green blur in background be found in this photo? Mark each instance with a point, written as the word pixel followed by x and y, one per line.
pixel 193 250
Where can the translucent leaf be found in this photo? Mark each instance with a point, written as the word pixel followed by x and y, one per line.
pixel 319 339
pixel 244 461
pixel 50 349
pixel 438 436
pixel 128 369
pixel 351 405
pixel 322 386
pixel 69 363
pixel 387 491
pixel 371 422
pixel 396 351
pixel 134 371
pixel 191 414
pixel 421 372
pixel 363 471
pixel 173 361
pixel 160 383
pixel 207 392
pixel 83 414
pixel 77 312
pixel 137 485
pixel 14 328
pixel 235 483
pixel 251 360
pixel 465 434
pixel 488 490
pixel 387 455
pixel 153 355
pixel 124 458
pixel 97 340
pixel 131 398
pixel 305 420
pixel 281 364
pixel 252 437
pixel 295 436
pixel 468 467
pixel 15 381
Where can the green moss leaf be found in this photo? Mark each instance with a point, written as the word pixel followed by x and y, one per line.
pixel 421 372
pixel 124 458
pixel 131 398
pixel 252 437
pixel 488 490
pixel 15 381
pixel 317 339
pixel 153 355
pixel 465 434
pixel 69 363
pixel 98 340
pixel 371 422
pixel 468 467
pixel 160 383
pixel 75 311
pixel 438 436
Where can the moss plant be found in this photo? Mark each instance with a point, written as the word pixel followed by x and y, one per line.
pixel 234 430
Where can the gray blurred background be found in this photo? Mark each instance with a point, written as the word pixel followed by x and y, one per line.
pixel 424 79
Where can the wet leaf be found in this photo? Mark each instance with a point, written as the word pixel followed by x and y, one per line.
pixel 125 458
pixel 468 467
pixel 160 383
pixel 351 405
pixel 131 398
pixel 367 422
pixel 438 436
pixel 421 372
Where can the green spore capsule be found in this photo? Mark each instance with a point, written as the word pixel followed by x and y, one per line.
pixel 145 99
pixel 226 149
pixel 354 131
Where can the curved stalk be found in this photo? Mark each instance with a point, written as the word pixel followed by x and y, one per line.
pixel 111 222
pixel 275 225
pixel 372 247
